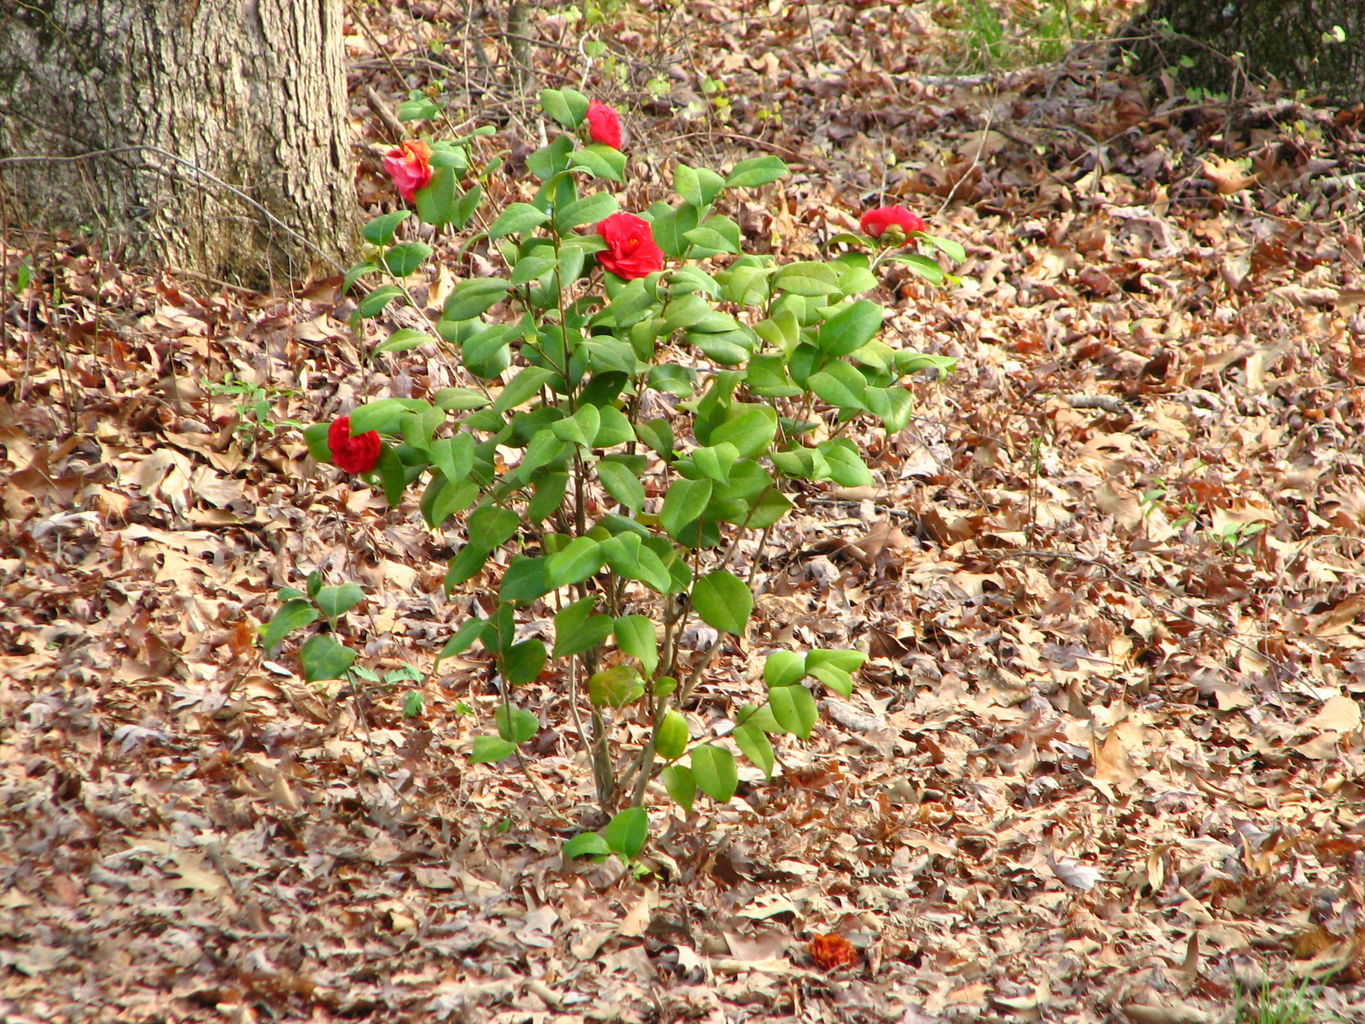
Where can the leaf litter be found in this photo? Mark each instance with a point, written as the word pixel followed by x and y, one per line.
pixel 1104 762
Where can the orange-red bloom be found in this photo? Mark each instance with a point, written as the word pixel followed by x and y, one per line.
pixel 353 454
pixel 878 222
pixel 410 167
pixel 604 125
pixel 831 951
pixel 631 251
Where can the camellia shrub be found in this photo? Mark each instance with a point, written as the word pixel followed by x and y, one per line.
pixel 644 393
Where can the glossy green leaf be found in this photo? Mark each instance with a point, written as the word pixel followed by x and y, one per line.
pixel 636 636
pixel 627 832
pixel 760 170
pixel 462 640
pixel 751 431
pixel 685 501
pixel 794 709
pixel 587 844
pixel 783 668
pixel 672 736
pixel 756 747
pixel 515 725
pixel 615 687
pixel 376 300
pixel 404 258
pixel 292 615
pixel 517 218
pixel 338 600
pixel 681 786
pixel 849 329
pixel 579 628
pixel 835 678
pixel 600 160
pixel 589 210
pixel 622 484
pixel 524 581
pixel 723 600
pixel 380 230
pixel 576 563
pixel 324 658
pixel 715 773
pixel 522 663
pixel 491 750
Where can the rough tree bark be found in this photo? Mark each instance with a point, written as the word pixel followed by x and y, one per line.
pixel 1315 45
pixel 207 135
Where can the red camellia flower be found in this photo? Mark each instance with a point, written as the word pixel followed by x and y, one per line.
pixel 410 167
pixel 604 125
pixel 353 454
pixel 877 222
pixel 630 251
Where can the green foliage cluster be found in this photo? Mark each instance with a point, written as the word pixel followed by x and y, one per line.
pixel 621 437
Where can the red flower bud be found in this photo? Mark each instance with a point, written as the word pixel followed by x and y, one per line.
pixel 604 125
pixel 878 222
pixel 353 454
pixel 410 167
pixel 631 251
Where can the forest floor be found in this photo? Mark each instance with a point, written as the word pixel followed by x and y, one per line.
pixel 1105 762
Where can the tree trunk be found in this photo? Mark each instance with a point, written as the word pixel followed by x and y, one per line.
pixel 205 135
pixel 1313 45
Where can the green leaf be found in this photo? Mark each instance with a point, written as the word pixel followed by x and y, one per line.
pixel 393 475
pixel 687 184
pixel 807 278
pixel 473 297
pixel 567 106
pixel 846 466
pixel 628 557
pixel 462 640
pixel 714 770
pixel 715 461
pixel 523 387
pixel 337 600
pixel 380 230
pixel 657 434
pixel 840 385
pixel 587 844
pixel 433 202
pixel 404 258
pixel 723 600
pixel 524 580
pixel 549 495
pixel 923 266
pixel 783 668
pixel 589 210
pixel 670 740
pixel 515 725
pixel 324 658
pixel 491 750
pixel 953 250
pixel 579 629
pixel 835 678
pixel 914 362
pixel 614 429
pixel 576 563
pixel 794 709
pixel 685 501
pixel 600 161
pixel 756 746
pixel 681 786
pixel 581 428
pixel 403 339
pixel 517 218
pixel 636 636
pixel 293 615
pixel 491 526
pixel 847 660
pixel 759 170
pixel 463 208
pixel 852 327
pixel 615 687
pixel 627 832
pixel 374 302
pixel 622 484
pixel 522 662
pixel 751 431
